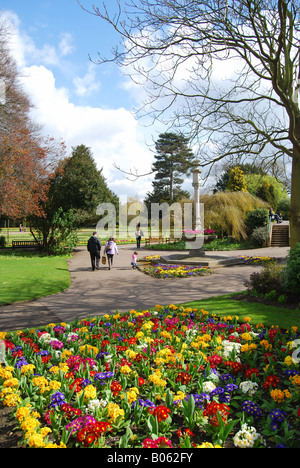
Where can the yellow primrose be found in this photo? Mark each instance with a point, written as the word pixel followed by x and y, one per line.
pixel 88 348
pixel 248 347
pixel 54 370
pixel 36 440
pixel 266 344
pixel 125 369
pixel 27 368
pixel 289 361
pixel 51 445
pixel 179 395
pixel 166 334
pixel 205 337
pixel 54 384
pixel 132 395
pixel 295 380
pixel 6 372
pixel 148 325
pixel 157 380
pixel 247 336
pixel 114 412
pixel 23 412
pixel 139 335
pixel 13 382
pixel 29 425
pixel 279 396
pixel 65 354
pixel 131 354
pixel 63 367
pixel 12 399
pixel 90 392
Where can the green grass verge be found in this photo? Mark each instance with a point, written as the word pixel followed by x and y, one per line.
pixel 28 276
pixel 259 313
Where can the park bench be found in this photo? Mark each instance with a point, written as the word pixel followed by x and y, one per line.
pixel 153 240
pixel 172 239
pixel 26 245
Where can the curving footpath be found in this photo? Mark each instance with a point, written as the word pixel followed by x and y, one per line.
pixel 122 288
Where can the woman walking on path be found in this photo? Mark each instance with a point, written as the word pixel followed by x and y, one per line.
pixel 138 235
pixel 111 249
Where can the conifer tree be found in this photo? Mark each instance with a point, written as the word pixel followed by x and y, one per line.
pixel 173 159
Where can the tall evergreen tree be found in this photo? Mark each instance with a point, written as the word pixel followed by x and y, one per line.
pixel 81 186
pixel 173 159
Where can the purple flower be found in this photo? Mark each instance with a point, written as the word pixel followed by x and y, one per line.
pixel 57 399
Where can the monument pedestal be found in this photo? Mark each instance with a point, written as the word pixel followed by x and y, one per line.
pixel 198 256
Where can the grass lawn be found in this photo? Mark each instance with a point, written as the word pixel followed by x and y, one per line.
pixel 26 276
pixel 260 313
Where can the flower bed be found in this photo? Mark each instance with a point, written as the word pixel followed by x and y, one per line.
pixel 171 377
pixel 257 259
pixel 163 270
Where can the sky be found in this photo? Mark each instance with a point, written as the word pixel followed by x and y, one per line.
pixel 55 44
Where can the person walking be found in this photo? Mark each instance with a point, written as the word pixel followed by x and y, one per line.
pixel 111 249
pixel 94 248
pixel 138 235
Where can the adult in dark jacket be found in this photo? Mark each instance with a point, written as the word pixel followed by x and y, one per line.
pixel 94 247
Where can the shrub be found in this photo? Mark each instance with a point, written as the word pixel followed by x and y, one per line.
pixel 267 280
pixel 226 212
pixel 2 241
pixel 271 296
pixel 259 236
pixel 256 219
pixel 291 272
pixel 282 299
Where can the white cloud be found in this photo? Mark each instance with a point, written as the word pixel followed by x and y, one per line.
pixel 66 45
pixel 23 47
pixel 87 85
pixel 112 134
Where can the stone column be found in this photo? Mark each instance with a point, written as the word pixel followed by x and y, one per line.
pixel 197 251
pixel 196 184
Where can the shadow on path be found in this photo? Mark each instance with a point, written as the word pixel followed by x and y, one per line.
pixel 123 289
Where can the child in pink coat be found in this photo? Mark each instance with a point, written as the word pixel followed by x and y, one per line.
pixel 134 259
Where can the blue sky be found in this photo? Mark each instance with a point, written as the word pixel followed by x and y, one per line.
pixel 74 99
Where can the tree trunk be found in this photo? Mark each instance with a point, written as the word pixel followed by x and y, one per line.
pixel 294 214
pixel 171 185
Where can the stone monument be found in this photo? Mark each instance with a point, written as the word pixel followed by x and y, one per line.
pixel 197 255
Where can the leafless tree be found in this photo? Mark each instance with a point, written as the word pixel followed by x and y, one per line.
pixel 227 71
pixel 14 103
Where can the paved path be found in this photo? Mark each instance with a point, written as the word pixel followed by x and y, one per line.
pixel 122 288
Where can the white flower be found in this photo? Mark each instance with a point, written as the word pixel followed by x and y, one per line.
pixel 46 337
pixel 248 387
pixel 95 404
pixel 208 386
pixel 231 347
pixel 72 336
pixel 246 437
